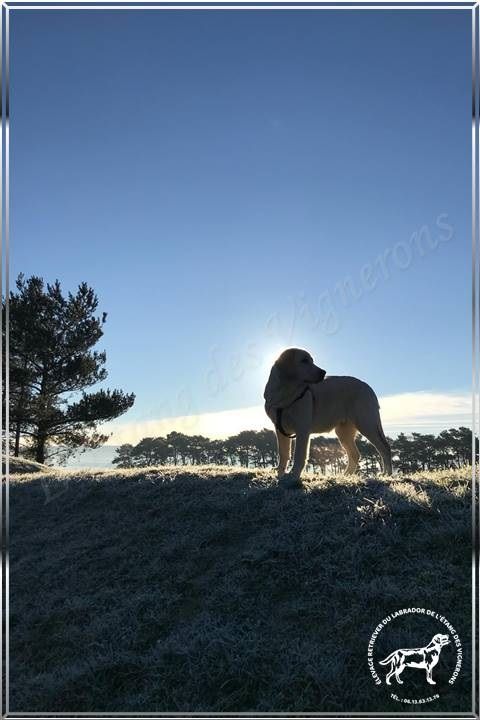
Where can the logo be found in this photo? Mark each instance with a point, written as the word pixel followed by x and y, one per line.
pixel 437 641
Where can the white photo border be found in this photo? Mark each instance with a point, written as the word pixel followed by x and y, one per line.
pixel 17 6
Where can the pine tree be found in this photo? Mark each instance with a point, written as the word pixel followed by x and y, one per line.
pixel 52 363
pixel 124 456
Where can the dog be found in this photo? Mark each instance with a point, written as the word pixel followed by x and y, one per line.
pixel 300 400
pixel 426 658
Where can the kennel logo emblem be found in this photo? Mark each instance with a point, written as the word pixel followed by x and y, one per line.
pixel 424 657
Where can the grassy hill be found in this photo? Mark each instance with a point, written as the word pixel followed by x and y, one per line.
pixel 213 590
pixel 19 465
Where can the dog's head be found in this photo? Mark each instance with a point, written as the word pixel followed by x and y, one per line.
pixel 440 639
pixel 297 365
pixel 292 370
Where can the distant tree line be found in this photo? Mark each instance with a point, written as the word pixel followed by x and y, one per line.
pixel 248 449
pixel 450 449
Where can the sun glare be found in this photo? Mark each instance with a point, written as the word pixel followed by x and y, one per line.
pixel 269 357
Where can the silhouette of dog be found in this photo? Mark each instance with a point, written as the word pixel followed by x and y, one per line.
pixel 300 400
pixel 426 658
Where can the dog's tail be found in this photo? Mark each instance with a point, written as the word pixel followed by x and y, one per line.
pixel 387 450
pixel 387 659
pixel 382 434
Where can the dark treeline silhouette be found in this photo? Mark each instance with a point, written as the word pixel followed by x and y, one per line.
pixel 448 450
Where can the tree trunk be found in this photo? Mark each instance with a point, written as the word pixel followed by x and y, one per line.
pixel 20 409
pixel 16 451
pixel 40 448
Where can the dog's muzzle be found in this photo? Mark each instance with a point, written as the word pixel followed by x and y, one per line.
pixel 321 374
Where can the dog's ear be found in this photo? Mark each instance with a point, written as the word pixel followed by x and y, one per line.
pixel 287 364
pixel 273 388
pixel 280 390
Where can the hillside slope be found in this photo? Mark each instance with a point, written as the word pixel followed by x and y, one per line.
pixel 213 590
pixel 19 465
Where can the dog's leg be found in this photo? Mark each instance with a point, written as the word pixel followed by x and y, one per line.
pixel 375 435
pixel 430 679
pixel 398 672
pixel 302 441
pixel 346 434
pixel 302 444
pixel 390 673
pixel 284 447
pixel 301 421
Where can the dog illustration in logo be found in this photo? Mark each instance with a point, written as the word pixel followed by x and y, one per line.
pixel 426 658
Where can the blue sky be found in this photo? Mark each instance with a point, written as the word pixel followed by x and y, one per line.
pixel 208 172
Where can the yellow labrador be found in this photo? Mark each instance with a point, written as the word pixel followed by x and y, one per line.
pixel 299 400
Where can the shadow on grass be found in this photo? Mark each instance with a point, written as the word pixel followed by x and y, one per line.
pixel 212 590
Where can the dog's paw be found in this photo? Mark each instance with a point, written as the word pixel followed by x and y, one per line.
pixel 288 481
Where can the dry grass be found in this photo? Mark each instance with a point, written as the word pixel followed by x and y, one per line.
pixel 19 465
pixel 212 590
